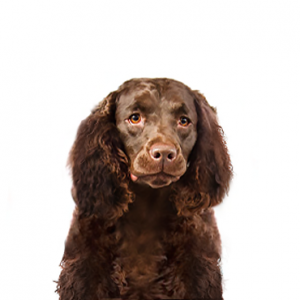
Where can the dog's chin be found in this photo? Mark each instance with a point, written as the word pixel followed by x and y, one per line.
pixel 155 181
pixel 158 183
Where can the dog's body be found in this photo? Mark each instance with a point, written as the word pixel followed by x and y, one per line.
pixel 147 165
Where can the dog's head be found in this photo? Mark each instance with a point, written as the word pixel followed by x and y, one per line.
pixel 157 122
pixel 155 132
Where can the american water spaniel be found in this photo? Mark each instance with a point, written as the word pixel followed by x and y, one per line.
pixel 148 164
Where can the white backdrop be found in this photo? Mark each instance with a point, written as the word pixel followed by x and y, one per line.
pixel 60 58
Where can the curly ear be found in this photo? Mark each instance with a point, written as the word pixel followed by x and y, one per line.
pixel 211 162
pixel 208 177
pixel 99 164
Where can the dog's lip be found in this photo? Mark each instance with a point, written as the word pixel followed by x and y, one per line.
pixel 159 174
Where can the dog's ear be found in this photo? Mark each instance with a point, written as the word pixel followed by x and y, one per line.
pixel 210 171
pixel 99 165
pixel 211 163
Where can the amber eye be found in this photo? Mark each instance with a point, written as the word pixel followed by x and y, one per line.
pixel 184 121
pixel 135 118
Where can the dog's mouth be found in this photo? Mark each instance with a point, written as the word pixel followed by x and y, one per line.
pixel 156 180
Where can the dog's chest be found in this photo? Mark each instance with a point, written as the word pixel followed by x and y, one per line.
pixel 140 255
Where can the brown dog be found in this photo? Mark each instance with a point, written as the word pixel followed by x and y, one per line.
pixel 147 166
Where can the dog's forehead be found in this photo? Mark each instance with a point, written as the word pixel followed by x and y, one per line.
pixel 150 98
pixel 138 95
pixel 175 97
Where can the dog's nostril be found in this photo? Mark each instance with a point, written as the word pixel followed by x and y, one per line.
pixel 157 155
pixel 171 156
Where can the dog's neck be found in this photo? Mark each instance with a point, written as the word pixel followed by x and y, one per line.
pixel 143 229
pixel 150 205
pixel 145 191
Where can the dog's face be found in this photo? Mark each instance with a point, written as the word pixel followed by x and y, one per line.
pixel 158 130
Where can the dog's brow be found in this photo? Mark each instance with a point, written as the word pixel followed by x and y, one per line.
pixel 178 108
pixel 143 103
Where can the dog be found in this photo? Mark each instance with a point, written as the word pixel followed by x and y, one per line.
pixel 148 165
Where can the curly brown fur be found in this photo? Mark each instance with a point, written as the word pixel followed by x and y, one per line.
pixel 144 185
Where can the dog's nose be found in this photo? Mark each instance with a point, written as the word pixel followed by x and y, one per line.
pixel 165 152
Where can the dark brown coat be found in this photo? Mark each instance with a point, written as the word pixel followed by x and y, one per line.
pixel 147 166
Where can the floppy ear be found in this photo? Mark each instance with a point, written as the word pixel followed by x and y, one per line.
pixel 99 165
pixel 208 177
pixel 211 166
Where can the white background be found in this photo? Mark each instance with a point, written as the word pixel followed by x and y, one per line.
pixel 58 59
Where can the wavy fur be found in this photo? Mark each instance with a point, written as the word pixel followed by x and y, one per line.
pixel 183 260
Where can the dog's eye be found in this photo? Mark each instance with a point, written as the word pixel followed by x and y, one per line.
pixel 184 121
pixel 135 118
